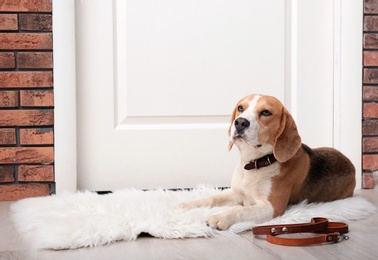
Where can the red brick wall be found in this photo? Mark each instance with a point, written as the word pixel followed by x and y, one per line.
pixel 26 99
pixel 370 94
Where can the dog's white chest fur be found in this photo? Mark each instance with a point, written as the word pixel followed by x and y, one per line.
pixel 253 186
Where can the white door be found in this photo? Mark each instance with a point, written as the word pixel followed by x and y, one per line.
pixel 157 82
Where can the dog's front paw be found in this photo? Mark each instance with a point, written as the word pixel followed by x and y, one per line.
pixel 220 221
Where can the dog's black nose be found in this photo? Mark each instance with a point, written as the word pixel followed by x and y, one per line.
pixel 241 124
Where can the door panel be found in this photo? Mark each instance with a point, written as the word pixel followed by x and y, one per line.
pixel 187 52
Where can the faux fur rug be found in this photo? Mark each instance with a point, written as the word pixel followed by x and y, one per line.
pixel 87 219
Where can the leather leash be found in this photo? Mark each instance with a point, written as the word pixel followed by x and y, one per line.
pixel 332 232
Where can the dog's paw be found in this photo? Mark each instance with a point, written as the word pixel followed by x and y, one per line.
pixel 220 221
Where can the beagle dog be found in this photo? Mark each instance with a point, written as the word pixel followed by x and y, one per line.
pixel 275 169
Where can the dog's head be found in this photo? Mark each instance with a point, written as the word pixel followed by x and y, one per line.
pixel 262 121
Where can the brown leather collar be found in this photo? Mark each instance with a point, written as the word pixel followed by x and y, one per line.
pixel 261 162
pixel 332 232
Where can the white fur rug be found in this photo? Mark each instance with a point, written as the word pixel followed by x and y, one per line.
pixel 87 219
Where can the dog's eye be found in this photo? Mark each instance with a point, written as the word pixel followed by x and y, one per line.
pixel 240 108
pixel 265 113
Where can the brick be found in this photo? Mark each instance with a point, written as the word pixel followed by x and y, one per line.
pixel 35 22
pixel 7 60
pixel 35 173
pixel 370 145
pixel 370 110
pixel 370 41
pixel 371 23
pixel 26 5
pixel 8 98
pixel 370 76
pixel 7 173
pixel 19 191
pixel 8 22
pixel 8 136
pixel 26 79
pixel 370 162
pixel 37 98
pixel 369 93
pixel 370 7
pixel 26 155
pixel 34 60
pixel 26 41
pixel 367 180
pixel 370 127
pixel 370 58
pixel 26 117
pixel 36 136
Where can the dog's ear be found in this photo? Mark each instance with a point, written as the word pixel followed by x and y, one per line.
pixel 233 116
pixel 230 144
pixel 287 141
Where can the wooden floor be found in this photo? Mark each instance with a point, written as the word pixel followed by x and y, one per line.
pixel 363 244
